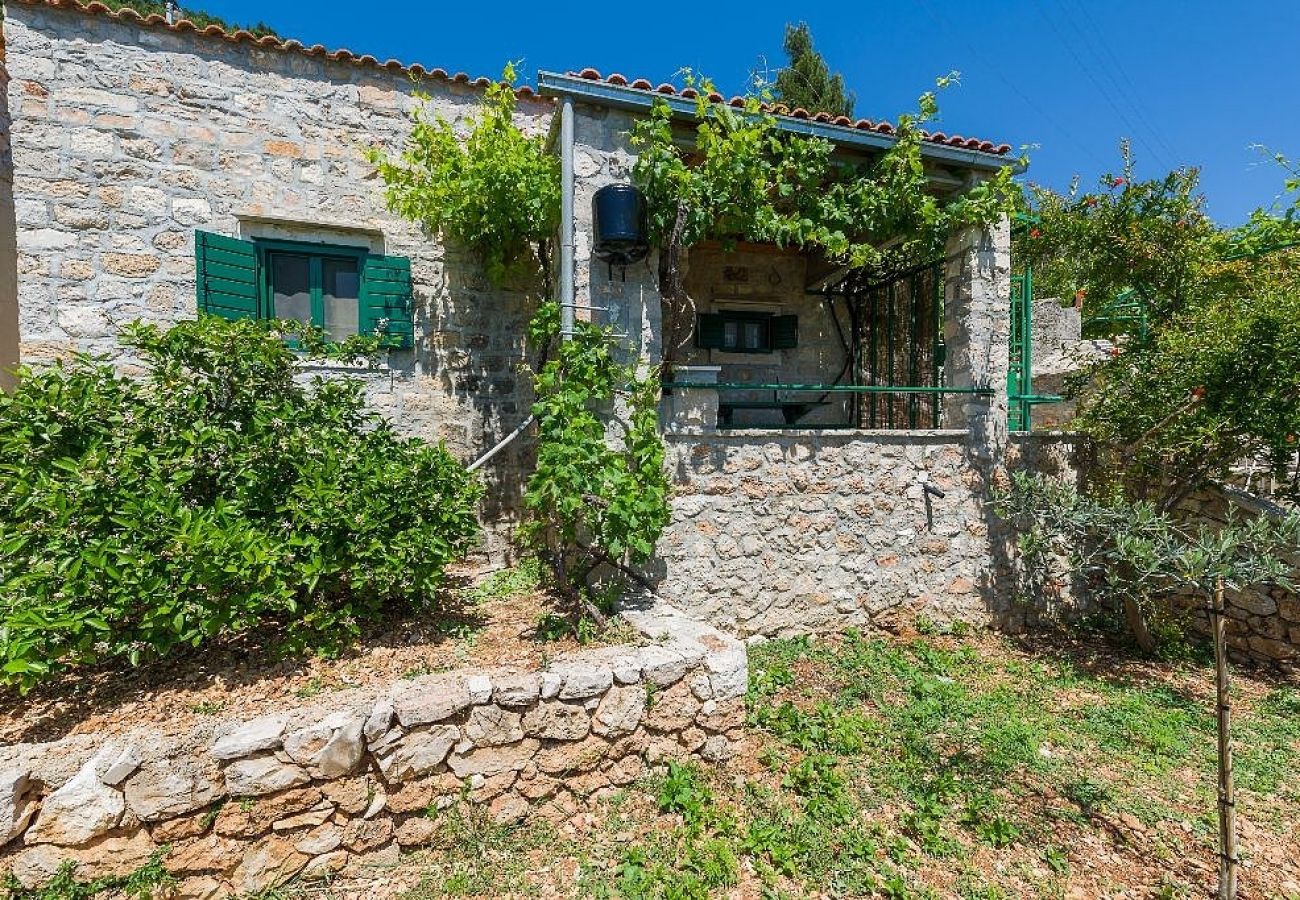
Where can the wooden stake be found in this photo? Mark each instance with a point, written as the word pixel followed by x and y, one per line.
pixel 1227 794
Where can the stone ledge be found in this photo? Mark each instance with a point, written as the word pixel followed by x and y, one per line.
pixel 245 805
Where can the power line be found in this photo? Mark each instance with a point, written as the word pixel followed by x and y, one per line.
pixel 996 69
pixel 1101 88
pixel 1111 65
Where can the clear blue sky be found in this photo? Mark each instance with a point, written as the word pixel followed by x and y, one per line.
pixel 1190 81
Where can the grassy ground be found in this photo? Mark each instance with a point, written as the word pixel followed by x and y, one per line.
pixel 929 766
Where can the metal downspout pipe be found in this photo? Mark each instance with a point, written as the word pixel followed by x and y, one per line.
pixel 566 220
pixel 567 304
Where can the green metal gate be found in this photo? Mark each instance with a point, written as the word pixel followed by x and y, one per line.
pixel 1020 370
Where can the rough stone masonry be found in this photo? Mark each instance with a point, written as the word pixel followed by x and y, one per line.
pixel 247 805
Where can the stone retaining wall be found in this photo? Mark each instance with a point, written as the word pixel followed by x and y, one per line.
pixel 1263 621
pixel 246 805
pixel 779 533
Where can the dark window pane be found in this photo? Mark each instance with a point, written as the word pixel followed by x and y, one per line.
pixel 731 334
pixel 754 335
pixel 291 287
pixel 342 290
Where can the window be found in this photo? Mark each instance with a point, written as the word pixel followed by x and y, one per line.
pixel 746 332
pixel 342 290
pixel 319 289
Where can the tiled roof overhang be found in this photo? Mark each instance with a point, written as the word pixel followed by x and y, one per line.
pixel 640 95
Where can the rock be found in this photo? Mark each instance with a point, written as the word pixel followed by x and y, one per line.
pixel 178 829
pixel 479 687
pixel 493 760
pixel 715 716
pixel 163 789
pixel 557 721
pixel 429 699
pixel 331 748
pixel 309 819
pixel 362 835
pixel 626 770
pixel 416 831
pixel 620 711
pixel 661 666
pixel 200 887
pixel 364 864
pixel 264 733
pixel 83 809
pixel 213 853
pixel 516 690
pixel 574 756
pixel 324 866
pixel 108 856
pixel 122 766
pixel 673 709
pixel 376 725
pixel 249 818
pixel 508 809
pixel 17 803
pixel 491 725
pixel 582 681
pixel 418 752
pixel 321 839
pixel 716 749
pixel 270 862
pixel 377 804
pixel 258 775
pixel 351 794
pixel 550 684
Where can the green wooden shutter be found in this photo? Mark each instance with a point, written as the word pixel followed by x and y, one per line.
pixel 709 331
pixel 386 299
pixel 225 276
pixel 785 332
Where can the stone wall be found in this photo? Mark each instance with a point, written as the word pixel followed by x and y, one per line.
pixel 126 138
pixel 1263 621
pixel 246 805
pixel 798 531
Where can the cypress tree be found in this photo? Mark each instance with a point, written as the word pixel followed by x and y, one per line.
pixel 807 81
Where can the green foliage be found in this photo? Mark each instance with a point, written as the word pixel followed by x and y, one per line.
pixel 746 179
pixel 215 494
pixel 806 81
pixel 197 16
pixel 599 494
pixel 1135 554
pixel 145 883
pixel 497 191
pixel 1150 237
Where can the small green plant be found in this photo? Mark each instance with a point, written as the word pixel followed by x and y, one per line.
pixel 148 881
pixel 207 707
pixel 523 578
pixel 683 793
pixel 313 687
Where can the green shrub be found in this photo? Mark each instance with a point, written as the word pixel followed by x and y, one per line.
pixel 219 492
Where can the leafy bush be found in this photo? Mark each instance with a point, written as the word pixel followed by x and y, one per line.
pixel 213 495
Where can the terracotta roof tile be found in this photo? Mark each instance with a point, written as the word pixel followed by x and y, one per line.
pixel 270 42
pixel 343 55
pixel 937 137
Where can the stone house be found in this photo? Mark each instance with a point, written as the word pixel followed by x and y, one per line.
pixel 154 169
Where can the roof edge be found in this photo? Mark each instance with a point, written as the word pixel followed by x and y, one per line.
pixel 638 95
pixel 269 42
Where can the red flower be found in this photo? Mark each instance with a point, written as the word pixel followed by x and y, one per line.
pixel 1035 233
pixel 1198 393
pixel 1117 182
pixel 1114 351
pixel 1092 201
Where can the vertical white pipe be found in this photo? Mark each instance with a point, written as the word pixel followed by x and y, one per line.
pixel 566 219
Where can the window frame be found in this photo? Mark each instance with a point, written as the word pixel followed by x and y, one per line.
pixel 742 318
pixel 316 253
